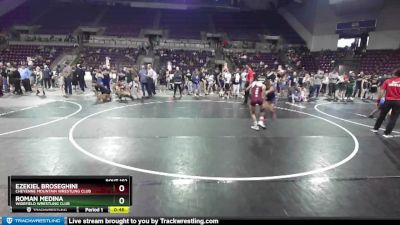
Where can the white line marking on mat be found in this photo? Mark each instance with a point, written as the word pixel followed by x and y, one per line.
pixel 19 110
pixel 184 176
pixel 295 105
pixel 47 123
pixel 360 115
pixel 349 121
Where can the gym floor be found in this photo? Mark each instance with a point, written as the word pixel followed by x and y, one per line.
pixel 199 157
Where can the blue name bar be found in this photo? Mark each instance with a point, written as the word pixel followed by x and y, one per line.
pixel 24 220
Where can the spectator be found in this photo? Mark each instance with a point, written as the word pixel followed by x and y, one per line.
pixel 46 77
pixel 178 77
pixel 25 74
pixel 67 74
pixel 143 81
pixel 152 79
pixel 81 77
pixel 249 80
pixel 196 82
pixel 15 77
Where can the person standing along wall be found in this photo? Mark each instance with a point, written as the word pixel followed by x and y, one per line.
pixel 357 90
pixel 178 78
pixel 1 84
pixel 15 77
pixel 243 79
pixel 143 81
pixel 188 82
pixel 317 84
pixel 152 75
pixel 196 83
pixel 46 77
pixel 236 81
pixel 325 82
pixel 3 78
pixel 249 80
pixel 39 81
pixel 67 74
pixel 81 77
pixel 25 77
pixel 332 87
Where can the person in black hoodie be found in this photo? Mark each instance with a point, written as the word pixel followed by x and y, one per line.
pixel 358 87
pixel 46 77
pixel 163 80
pixel 1 86
pixel 74 77
pixel 3 76
pixel 16 78
pixel 178 82
pixel 80 73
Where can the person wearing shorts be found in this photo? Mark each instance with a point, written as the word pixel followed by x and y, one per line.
pixel 227 76
pixel 236 81
pixel 374 87
pixel 257 91
pixel 350 87
pixel 332 86
pixel 341 84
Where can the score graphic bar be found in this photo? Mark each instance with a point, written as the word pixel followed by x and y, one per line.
pixel 89 194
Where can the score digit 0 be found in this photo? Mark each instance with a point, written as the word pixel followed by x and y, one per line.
pixel 121 188
pixel 121 200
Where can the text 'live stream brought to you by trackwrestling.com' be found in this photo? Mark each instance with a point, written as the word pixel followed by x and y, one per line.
pixel 59 220
pixel 140 221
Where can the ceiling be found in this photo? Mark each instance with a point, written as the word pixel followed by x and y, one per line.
pixel 242 4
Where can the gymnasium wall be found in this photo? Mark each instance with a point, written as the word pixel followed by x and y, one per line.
pixel 8 5
pixel 320 18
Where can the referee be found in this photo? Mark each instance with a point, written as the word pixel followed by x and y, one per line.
pixel 391 90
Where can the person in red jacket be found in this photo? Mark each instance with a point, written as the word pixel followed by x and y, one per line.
pixel 249 80
pixel 390 89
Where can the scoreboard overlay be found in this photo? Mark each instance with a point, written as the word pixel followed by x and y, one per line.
pixel 74 194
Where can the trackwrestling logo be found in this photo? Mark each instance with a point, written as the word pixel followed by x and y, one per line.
pixel 33 220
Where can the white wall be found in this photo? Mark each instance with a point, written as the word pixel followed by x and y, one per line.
pixel 389 39
pixel 314 42
pixel 324 42
pixel 389 17
pixel 327 19
pixel 320 18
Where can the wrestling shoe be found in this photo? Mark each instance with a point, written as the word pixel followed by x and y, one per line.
pixel 262 125
pixel 255 127
pixel 388 136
